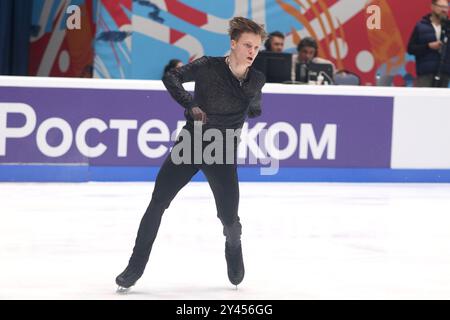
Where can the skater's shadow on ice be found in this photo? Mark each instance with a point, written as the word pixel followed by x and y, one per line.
pixel 182 292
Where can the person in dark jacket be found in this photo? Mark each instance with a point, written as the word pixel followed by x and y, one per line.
pixel 428 43
pixel 173 63
pixel 227 91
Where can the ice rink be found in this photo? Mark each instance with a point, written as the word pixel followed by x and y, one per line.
pixel 300 241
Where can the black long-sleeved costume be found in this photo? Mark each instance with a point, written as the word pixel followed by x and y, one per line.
pixel 217 92
pixel 227 103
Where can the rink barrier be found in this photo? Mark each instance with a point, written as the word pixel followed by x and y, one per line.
pixel 74 130
pixel 32 173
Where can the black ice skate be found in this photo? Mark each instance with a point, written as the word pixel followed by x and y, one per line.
pixel 128 278
pixel 235 263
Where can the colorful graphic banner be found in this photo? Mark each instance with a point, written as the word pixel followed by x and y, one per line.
pixel 56 50
pixel 135 39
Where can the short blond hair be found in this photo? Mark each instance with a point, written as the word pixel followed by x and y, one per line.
pixel 240 25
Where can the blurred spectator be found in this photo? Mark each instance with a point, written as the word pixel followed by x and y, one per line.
pixel 275 42
pixel 174 63
pixel 87 72
pixel 307 51
pixel 427 45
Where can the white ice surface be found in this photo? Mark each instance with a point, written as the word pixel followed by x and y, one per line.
pixel 300 241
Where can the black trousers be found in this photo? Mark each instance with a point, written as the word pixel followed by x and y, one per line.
pixel 428 79
pixel 172 177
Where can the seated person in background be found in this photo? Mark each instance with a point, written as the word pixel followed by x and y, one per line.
pixel 174 63
pixel 275 42
pixel 307 51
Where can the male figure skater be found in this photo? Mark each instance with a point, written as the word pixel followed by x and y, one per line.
pixel 227 90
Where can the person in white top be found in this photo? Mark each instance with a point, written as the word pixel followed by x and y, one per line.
pixel 307 51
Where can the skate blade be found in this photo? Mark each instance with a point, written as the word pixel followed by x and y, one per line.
pixel 122 290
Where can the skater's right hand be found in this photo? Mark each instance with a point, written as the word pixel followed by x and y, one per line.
pixel 198 114
pixel 436 45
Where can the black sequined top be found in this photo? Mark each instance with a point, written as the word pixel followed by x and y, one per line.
pixel 225 100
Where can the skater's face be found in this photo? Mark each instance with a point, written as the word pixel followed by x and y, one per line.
pixel 246 48
pixel 440 8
